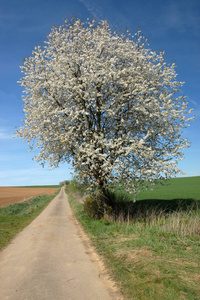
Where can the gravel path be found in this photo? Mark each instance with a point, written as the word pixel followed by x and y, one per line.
pixel 50 259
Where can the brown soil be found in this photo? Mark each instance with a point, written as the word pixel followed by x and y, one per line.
pixel 11 195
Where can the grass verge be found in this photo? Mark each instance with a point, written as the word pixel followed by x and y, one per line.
pixel 149 258
pixel 15 217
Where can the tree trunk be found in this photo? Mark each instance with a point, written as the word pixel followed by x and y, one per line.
pixel 105 193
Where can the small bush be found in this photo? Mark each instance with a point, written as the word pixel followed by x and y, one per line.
pixel 93 206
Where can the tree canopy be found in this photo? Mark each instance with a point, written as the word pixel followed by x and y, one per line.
pixel 104 102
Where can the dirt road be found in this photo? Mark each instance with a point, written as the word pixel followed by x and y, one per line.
pixel 48 260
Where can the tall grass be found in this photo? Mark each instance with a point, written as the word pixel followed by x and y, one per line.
pixel 180 223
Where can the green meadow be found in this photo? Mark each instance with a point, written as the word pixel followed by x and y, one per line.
pixel 155 254
pixel 175 188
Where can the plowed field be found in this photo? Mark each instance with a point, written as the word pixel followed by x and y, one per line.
pixel 11 195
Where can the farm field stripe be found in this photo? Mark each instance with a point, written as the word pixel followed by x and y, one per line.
pixel 11 195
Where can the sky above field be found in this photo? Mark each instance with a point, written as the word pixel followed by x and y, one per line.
pixel 170 25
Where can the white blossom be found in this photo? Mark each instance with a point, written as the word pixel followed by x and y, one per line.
pixel 104 102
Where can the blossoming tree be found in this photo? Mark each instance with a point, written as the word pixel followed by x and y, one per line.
pixel 105 103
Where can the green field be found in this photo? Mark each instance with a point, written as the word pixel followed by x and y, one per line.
pixel 156 254
pixel 176 188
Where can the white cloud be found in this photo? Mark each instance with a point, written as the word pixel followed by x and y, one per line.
pixel 93 8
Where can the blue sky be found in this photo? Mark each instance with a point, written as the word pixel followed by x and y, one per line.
pixel 172 26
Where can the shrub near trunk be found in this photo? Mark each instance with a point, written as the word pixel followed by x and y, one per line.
pixel 93 206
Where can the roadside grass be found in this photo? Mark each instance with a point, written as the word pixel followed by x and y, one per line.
pixel 154 255
pixel 15 217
